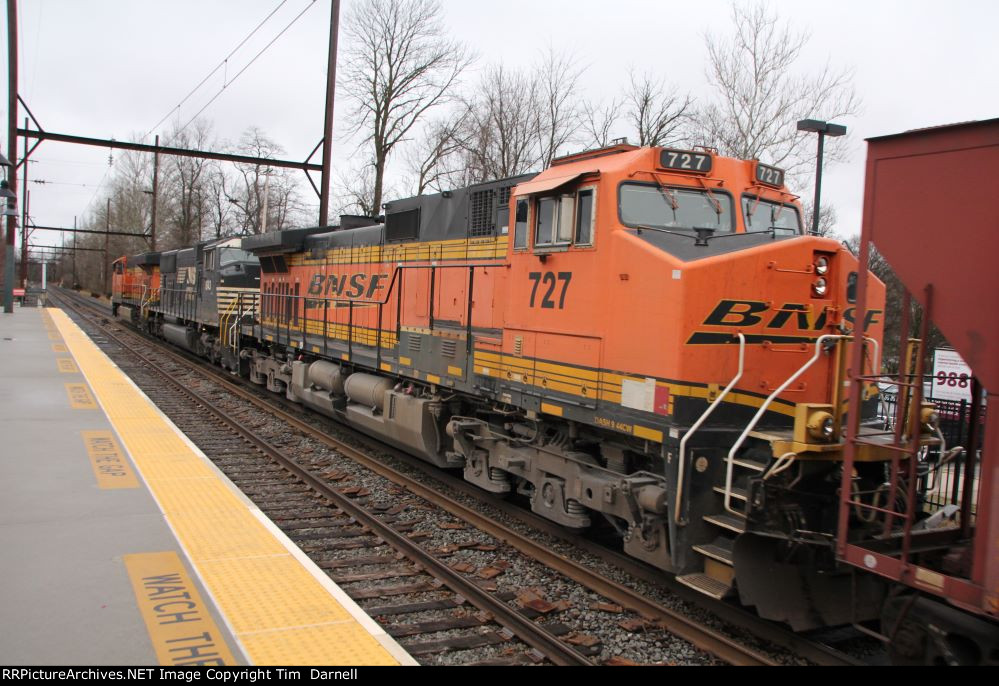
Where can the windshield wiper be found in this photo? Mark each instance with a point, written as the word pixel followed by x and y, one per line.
pixel 703 233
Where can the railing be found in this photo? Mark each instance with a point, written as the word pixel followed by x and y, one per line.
pixel 132 293
pixel 730 461
pixel 178 302
pixel 291 318
pixel 943 484
pixel 245 308
pixel 682 465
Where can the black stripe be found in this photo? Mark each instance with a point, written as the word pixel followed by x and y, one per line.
pixel 710 338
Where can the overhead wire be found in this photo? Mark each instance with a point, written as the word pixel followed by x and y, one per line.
pixel 248 65
pixel 223 63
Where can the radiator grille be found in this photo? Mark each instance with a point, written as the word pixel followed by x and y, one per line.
pixel 448 347
pixel 415 343
pixel 504 195
pixel 481 218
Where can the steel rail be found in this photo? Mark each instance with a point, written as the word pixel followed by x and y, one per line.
pixel 710 641
pixel 528 631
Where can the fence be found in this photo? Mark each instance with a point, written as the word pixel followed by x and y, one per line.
pixel 945 486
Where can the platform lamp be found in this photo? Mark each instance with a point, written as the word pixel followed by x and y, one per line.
pixel 8 199
pixel 823 128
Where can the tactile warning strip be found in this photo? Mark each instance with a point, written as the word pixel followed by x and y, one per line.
pixel 281 608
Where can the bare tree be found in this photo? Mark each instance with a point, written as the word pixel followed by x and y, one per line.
pixel 827 219
pixel 434 160
pixel 501 128
pixel 218 208
pixel 182 185
pixel 559 116
pixel 656 111
pixel 397 65
pixel 356 194
pixel 759 97
pixel 597 122
pixel 260 191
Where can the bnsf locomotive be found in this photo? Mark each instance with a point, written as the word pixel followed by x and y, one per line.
pixel 637 338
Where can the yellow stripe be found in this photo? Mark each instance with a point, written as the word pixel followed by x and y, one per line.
pixel 649 434
pixel 110 465
pixel 433 378
pixel 455 371
pixel 459 248
pixel 405 361
pixel 180 627
pixel 79 397
pixel 58 348
pixel 551 409
pixel 279 608
pixel 580 382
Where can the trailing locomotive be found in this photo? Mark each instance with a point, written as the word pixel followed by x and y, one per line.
pixel 180 294
pixel 640 338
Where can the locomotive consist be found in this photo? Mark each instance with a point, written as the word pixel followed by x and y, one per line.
pixel 636 338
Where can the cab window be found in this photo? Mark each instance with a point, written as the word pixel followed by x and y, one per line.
pixel 766 215
pixel 584 217
pixel 544 221
pixel 675 208
pixel 564 219
pixel 520 225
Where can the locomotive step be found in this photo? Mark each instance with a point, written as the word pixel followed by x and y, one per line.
pixel 727 521
pixel 749 464
pixel 705 584
pixel 722 553
pixel 737 493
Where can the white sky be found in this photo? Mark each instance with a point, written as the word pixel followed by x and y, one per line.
pixel 113 68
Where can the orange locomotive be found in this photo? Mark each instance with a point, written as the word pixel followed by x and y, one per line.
pixel 135 282
pixel 639 337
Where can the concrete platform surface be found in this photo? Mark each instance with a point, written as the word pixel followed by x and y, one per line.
pixel 122 544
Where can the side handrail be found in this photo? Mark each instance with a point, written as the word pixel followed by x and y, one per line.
pixel 224 323
pixel 238 320
pixel 730 460
pixel 681 468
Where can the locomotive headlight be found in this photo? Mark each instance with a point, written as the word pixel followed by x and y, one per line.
pixel 822 266
pixel 821 426
pixel 820 287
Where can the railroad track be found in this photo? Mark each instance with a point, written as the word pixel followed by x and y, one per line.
pixel 361 529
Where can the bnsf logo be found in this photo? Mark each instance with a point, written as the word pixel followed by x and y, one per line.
pixel 746 313
pixel 347 285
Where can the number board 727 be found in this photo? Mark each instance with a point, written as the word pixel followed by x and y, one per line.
pixel 769 176
pixel 685 160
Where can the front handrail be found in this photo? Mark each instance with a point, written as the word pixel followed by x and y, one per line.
pixel 730 460
pixel 681 468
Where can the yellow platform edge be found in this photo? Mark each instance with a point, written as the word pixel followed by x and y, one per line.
pixel 310 621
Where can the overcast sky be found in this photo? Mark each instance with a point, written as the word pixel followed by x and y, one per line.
pixel 114 68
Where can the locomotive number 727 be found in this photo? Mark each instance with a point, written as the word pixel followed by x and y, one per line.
pixel 548 279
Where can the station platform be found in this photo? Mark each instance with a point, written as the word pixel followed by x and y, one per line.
pixel 122 544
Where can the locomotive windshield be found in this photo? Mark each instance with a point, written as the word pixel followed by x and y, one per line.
pixel 675 208
pixel 764 215
pixel 231 255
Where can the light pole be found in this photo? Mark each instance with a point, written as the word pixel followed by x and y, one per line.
pixel 8 201
pixel 823 128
